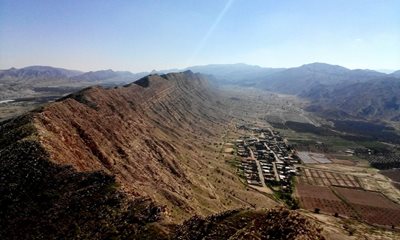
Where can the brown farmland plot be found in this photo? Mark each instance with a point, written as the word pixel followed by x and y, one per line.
pixel 325 178
pixel 372 207
pixel 321 197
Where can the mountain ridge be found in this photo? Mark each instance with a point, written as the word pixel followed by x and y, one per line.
pixel 228 73
pixel 297 80
pixel 141 139
pixel 308 80
pixel 373 100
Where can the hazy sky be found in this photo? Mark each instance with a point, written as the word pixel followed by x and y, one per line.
pixel 145 35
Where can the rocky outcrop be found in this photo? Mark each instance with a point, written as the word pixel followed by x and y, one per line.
pixel 278 223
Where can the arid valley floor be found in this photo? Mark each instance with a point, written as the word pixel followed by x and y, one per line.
pixel 333 185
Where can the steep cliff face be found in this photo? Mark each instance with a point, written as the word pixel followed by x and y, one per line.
pixel 150 142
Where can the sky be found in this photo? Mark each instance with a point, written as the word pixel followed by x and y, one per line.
pixel 142 35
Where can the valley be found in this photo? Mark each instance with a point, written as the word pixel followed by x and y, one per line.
pixel 177 147
pixel 331 178
pixel 200 120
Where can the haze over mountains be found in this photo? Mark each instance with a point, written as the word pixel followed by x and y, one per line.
pixel 26 82
pixel 374 99
pixel 371 94
pixel 240 73
pixel 277 79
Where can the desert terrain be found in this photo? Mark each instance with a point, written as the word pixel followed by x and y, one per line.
pixel 174 142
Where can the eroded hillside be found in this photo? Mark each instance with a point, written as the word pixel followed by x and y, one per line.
pixel 102 150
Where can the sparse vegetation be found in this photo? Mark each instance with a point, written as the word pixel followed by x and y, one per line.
pixel 277 224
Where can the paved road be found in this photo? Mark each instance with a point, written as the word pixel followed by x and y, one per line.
pixel 275 172
pixel 274 163
pixel 260 173
pixel 259 169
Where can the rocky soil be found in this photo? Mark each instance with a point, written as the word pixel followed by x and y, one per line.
pixel 278 223
pixel 120 163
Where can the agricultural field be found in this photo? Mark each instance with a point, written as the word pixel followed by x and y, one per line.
pixel 359 195
pixel 321 197
pixel 320 177
pixel 311 157
pixel 394 175
pixel 368 178
pixel 368 206
pixel 335 178
pixel 372 207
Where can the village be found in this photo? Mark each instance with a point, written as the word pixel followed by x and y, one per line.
pixel 266 159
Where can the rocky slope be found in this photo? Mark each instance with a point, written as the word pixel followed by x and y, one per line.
pixel 118 160
pixel 44 200
pixel 272 224
pixel 372 100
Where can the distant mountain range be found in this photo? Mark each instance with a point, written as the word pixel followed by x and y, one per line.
pixel 43 80
pixel 284 80
pixel 303 78
pixel 374 99
pixel 360 92
pixel 109 76
pixel 288 80
pixel 238 74
pixel 37 72
pixel 47 74
pixel 334 91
